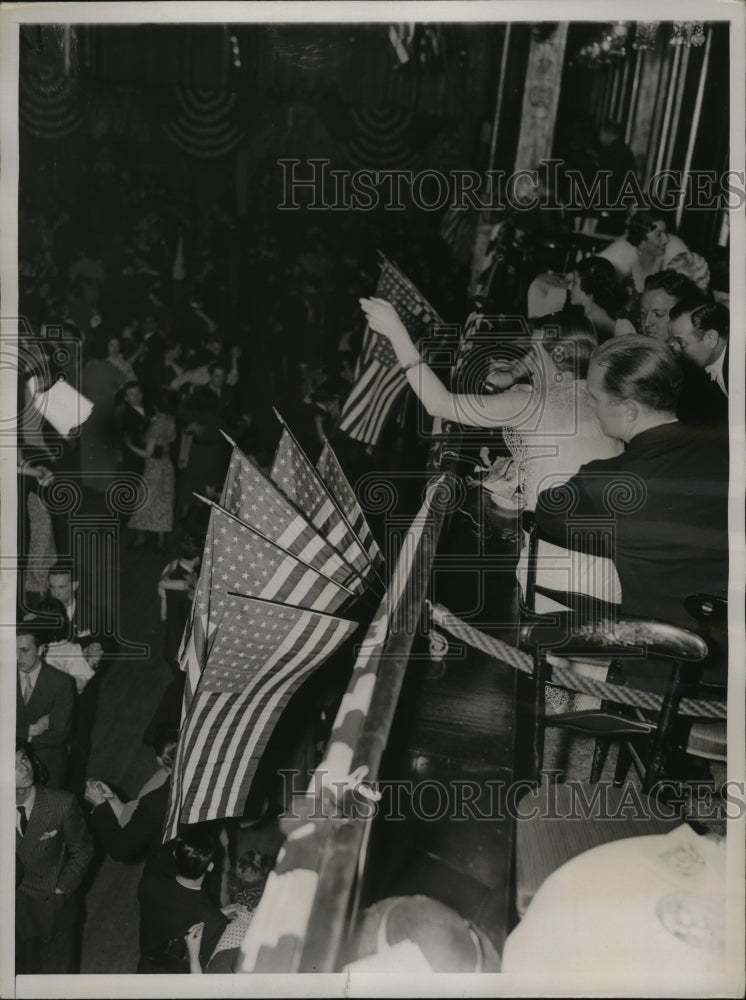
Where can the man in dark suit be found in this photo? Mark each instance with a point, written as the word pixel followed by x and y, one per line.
pixel 86 622
pixel 53 851
pixel 44 702
pixel 699 334
pixel 671 529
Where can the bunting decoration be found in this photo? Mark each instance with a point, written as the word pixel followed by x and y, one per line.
pixel 379 379
pixel 280 558
pixel 203 125
pixel 281 922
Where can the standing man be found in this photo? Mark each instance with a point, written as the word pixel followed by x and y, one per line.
pixel 53 851
pixel 44 702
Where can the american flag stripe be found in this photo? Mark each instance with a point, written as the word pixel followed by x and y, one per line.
pixel 378 376
pixel 333 475
pixel 319 644
pixel 254 499
pixel 244 688
pixel 297 478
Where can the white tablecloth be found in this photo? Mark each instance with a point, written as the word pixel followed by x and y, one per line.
pixel 643 910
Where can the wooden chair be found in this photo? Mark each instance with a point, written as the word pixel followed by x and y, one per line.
pixel 593 629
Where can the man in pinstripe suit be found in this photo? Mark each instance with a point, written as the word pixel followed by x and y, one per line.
pixel 53 851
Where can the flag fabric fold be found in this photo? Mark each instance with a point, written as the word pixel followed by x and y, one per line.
pixel 237 558
pixel 338 485
pixel 379 379
pixel 260 654
pixel 297 478
pixel 253 498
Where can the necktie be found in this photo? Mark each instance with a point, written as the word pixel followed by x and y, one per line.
pixel 27 689
pixel 24 819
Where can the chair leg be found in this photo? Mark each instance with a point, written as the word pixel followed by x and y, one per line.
pixel 600 753
pixel 661 742
pixel 623 763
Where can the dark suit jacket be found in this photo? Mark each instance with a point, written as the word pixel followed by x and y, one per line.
pixel 141 837
pixel 133 425
pixel 53 695
pixel 702 402
pixel 54 854
pixel 671 534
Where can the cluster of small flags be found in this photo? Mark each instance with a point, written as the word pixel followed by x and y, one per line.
pixel 283 553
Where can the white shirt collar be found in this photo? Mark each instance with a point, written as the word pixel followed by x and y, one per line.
pixel 715 371
pixel 32 675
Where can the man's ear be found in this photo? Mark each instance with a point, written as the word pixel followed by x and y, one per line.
pixel 211 866
pixel 711 338
pixel 631 410
pixel 43 650
pixel 74 585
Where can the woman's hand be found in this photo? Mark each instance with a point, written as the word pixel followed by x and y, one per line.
pixel 193 938
pixel 232 910
pixel 383 318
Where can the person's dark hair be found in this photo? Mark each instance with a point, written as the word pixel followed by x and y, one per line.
pixel 51 615
pixel 194 851
pixel 598 279
pixel 164 745
pixel 247 878
pixel 704 315
pixel 41 774
pixel 39 630
pixel 63 568
pixel 97 346
pixel 569 339
pixel 641 224
pixel 189 547
pixel 641 369
pixel 673 283
pixel 130 385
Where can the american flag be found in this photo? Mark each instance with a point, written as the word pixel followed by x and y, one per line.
pixel 252 497
pixel 379 379
pixel 261 653
pixel 293 473
pixel 237 558
pixel 333 475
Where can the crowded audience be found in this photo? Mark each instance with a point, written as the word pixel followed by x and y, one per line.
pixel 179 358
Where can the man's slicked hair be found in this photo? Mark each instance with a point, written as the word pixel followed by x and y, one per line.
pixel 641 369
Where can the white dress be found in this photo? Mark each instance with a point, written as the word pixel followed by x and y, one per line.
pixel 566 434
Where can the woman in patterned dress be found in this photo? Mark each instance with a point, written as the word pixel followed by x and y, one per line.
pixel 549 426
pixel 157 513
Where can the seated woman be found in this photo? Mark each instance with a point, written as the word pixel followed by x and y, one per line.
pixel 551 428
pixel 596 290
pixel 647 247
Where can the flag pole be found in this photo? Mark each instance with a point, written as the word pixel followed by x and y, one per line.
pixel 301 513
pixel 326 491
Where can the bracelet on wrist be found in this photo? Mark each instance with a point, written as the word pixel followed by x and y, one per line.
pixel 413 364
